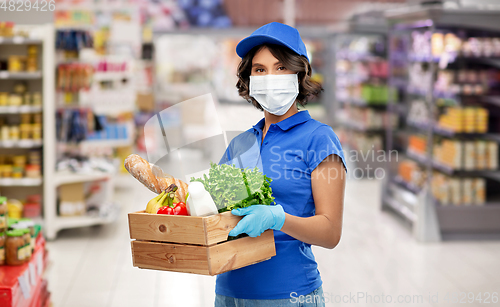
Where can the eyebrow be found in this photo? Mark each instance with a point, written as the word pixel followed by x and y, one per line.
pixel 258 64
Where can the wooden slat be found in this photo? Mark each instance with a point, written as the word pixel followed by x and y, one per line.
pixel 241 252
pixel 170 257
pixel 217 227
pixel 167 228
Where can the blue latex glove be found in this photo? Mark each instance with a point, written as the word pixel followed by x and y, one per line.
pixel 258 218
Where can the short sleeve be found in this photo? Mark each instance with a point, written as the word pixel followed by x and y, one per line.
pixel 323 142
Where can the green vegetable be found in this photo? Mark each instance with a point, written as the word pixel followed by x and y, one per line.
pixel 232 187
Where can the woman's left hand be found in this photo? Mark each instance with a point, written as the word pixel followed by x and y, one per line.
pixel 258 218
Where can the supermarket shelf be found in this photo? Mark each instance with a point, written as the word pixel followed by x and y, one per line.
pixel 20 75
pixel 400 208
pixel 21 182
pixel 493 100
pixel 21 144
pixel 483 218
pixel 362 103
pixel 105 76
pixel 420 158
pixel 492 174
pixel 450 133
pixel 419 126
pixel 408 186
pixel 67 177
pixel 108 143
pixel 20 109
pixel 19 40
pixel 64 222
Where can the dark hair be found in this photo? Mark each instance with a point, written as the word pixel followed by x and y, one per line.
pixel 291 61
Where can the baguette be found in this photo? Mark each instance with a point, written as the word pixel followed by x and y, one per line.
pixel 145 172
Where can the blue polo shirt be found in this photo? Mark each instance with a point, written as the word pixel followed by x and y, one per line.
pixel 291 150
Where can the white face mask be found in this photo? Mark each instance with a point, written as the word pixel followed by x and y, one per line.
pixel 275 93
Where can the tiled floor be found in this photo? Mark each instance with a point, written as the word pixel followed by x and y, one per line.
pixel 377 256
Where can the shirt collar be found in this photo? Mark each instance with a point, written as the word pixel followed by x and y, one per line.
pixel 292 121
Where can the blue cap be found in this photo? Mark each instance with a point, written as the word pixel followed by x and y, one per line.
pixel 273 33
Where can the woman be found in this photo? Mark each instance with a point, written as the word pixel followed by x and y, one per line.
pixel 304 159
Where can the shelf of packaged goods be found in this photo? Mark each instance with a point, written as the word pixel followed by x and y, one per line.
pixel 21 144
pixel 450 133
pixel 477 218
pixel 20 109
pixel 20 75
pixel 30 274
pixel 67 177
pixel 450 171
pixel 19 40
pixel 407 185
pixel 20 182
pixel 400 208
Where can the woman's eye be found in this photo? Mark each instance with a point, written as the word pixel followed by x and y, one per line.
pixel 281 68
pixel 259 70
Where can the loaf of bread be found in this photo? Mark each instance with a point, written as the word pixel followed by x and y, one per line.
pixel 153 176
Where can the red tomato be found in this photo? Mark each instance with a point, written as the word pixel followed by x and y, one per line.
pixel 180 209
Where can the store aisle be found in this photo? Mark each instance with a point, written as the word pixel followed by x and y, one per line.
pixel 376 257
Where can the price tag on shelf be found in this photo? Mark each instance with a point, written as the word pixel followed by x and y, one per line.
pixel 32 274
pixel 39 263
pixel 24 284
pixel 4 75
pixel 1 39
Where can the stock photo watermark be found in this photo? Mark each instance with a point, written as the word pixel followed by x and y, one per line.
pixel 27 5
pixel 407 299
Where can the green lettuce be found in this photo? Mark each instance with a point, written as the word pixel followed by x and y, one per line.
pixel 232 187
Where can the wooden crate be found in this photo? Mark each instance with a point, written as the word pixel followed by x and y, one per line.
pixel 194 244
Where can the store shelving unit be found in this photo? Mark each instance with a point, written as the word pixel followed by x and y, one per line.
pixel 43 81
pixel 431 220
pixel 355 55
